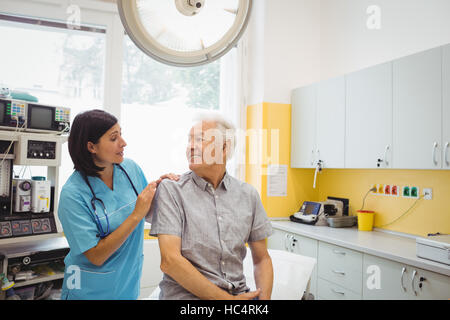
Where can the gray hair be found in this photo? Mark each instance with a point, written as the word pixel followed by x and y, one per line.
pixel 224 125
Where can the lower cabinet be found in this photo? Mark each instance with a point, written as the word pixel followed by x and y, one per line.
pixel 281 240
pixel 345 274
pixel 330 291
pixel 390 280
pixel 340 272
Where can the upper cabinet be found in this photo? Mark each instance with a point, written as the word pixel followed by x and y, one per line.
pixel 318 125
pixel 368 135
pixel 393 115
pixel 446 107
pixel 417 110
pixel 303 136
pixel 330 131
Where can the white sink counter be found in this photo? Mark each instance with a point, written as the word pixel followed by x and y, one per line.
pixel 378 243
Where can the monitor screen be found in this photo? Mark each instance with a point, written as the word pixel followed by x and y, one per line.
pixel 2 112
pixel 309 209
pixel 41 117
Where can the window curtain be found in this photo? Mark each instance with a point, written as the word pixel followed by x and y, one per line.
pixel 232 105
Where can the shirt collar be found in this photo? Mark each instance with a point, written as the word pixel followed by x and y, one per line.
pixel 202 183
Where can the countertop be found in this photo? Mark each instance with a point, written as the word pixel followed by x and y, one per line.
pixel 29 247
pixel 378 243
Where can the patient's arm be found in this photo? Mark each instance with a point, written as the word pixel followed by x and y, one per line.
pixel 183 272
pixel 262 268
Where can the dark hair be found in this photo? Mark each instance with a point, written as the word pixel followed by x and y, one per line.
pixel 88 126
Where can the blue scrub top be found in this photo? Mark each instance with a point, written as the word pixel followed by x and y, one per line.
pixel 119 277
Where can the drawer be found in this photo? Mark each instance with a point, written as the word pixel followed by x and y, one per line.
pixel 341 266
pixel 330 291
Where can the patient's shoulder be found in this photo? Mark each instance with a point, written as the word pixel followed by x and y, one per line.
pixel 175 185
pixel 243 186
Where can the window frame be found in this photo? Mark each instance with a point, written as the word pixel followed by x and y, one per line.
pixel 92 13
pixel 106 15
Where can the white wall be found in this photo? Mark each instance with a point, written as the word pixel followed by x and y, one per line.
pixel 283 48
pixel 254 54
pixel 291 47
pixel 407 27
pixel 297 42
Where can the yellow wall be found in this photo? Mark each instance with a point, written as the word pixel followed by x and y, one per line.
pixel 253 170
pixel 427 216
pixel 274 116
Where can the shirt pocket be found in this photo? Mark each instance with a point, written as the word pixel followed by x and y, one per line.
pixel 237 225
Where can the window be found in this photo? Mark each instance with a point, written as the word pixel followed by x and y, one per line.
pixel 66 67
pixel 59 66
pixel 158 102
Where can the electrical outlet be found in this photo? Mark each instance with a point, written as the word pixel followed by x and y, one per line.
pixel 427 193
pixel 375 186
pixel 414 192
pixel 387 190
pixel 406 192
pixel 395 190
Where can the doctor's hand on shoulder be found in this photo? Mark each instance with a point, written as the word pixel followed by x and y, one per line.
pixel 145 198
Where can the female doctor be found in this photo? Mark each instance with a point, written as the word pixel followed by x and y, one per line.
pixel 102 208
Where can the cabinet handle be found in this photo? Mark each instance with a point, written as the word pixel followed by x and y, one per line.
pixel 338 292
pixel 401 279
pixel 286 238
pixel 435 145
pixel 385 155
pixel 339 252
pixel 412 282
pixel 312 157
pixel 339 272
pixel 446 154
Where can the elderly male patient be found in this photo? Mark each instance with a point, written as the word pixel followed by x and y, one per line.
pixel 204 220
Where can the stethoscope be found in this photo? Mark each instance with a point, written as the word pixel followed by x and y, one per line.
pixel 94 198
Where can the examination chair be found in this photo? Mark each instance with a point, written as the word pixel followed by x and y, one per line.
pixel 291 275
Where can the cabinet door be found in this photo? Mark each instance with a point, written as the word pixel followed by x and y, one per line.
pixel 417 110
pixel 427 285
pixel 307 247
pixel 303 132
pixel 446 109
pixel 278 240
pixel 331 122
pixel 385 279
pixel 369 118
